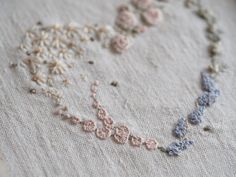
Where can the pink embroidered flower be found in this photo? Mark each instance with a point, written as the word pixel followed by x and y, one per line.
pixel 96 104
pixel 75 120
pixel 108 122
pixel 89 125
pixel 126 20
pixel 102 114
pixel 136 141
pixel 123 8
pixel 151 144
pixel 119 43
pixel 121 134
pixel 141 4
pixel 152 16
pixel 103 133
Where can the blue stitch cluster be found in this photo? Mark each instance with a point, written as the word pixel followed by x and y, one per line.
pixel 207 82
pixel 180 129
pixel 196 116
pixel 210 91
pixel 175 148
pixel 208 98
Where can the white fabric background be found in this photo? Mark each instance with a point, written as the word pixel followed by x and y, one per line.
pixel 158 80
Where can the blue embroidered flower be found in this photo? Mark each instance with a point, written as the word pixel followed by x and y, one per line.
pixel 207 82
pixel 196 116
pixel 175 148
pixel 180 129
pixel 208 98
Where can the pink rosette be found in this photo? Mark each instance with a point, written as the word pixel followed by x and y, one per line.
pixel 119 43
pixel 103 133
pixel 126 20
pixel 108 122
pixel 152 16
pixel 121 134
pixel 75 120
pixel 102 114
pixel 151 144
pixel 89 125
pixel 136 141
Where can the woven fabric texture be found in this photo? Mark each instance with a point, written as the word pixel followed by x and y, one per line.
pixel 159 79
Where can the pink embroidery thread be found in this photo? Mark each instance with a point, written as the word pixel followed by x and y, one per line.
pixel 119 43
pixel 151 144
pixel 152 16
pixel 102 114
pixel 136 141
pixel 103 133
pixel 126 20
pixel 89 126
pixel 108 122
pixel 75 120
pixel 121 134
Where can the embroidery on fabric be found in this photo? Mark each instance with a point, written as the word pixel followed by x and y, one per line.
pixel 50 51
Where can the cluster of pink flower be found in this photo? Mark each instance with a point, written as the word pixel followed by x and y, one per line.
pixel 120 133
pixel 128 21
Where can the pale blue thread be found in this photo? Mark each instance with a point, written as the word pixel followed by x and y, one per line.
pixel 175 148
pixel 196 116
pixel 207 82
pixel 180 129
pixel 208 98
